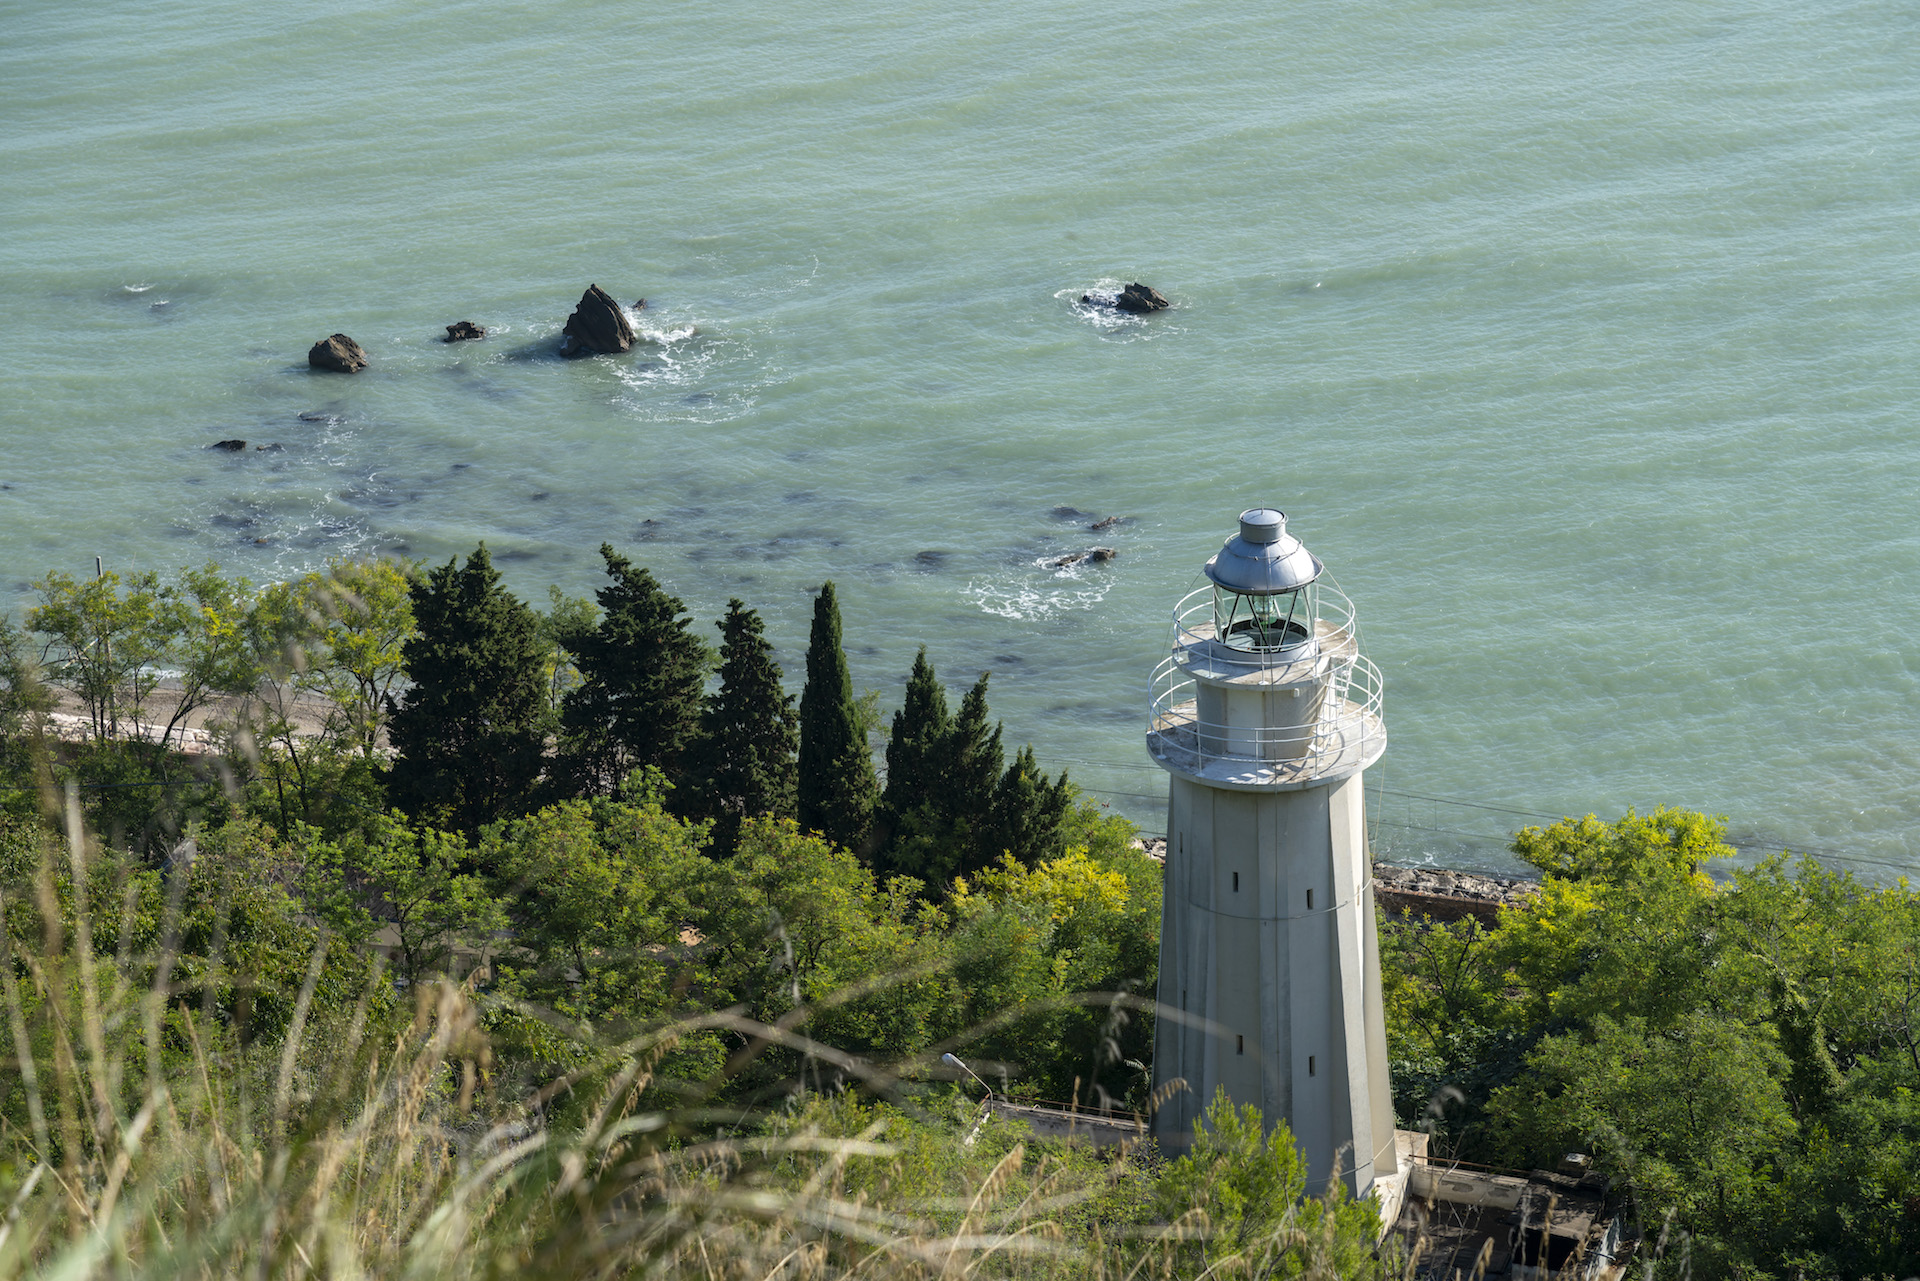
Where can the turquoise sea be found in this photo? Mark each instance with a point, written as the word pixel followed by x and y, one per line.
pixel 1578 339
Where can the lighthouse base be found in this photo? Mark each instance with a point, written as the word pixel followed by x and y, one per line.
pixel 1270 974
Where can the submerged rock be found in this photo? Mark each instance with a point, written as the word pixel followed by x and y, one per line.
pixel 596 327
pixel 1091 556
pixel 1108 523
pixel 337 354
pixel 231 446
pixel 464 331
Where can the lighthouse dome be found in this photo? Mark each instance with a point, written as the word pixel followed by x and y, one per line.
pixel 1263 559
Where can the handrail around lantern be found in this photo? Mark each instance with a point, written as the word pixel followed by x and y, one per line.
pixel 1328 725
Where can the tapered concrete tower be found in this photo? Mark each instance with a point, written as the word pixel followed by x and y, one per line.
pixel 1266 714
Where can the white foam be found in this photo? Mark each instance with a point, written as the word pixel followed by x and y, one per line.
pixel 1026 599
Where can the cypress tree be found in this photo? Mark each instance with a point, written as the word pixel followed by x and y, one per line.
pixel 467 731
pixel 643 676
pixel 743 762
pixel 837 788
pixel 1028 812
pixel 917 750
pixel 975 759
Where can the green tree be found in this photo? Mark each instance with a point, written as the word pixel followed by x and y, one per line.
pixel 408 877
pixel 917 748
pixel 793 923
pixel 24 704
pixel 1029 811
pixel 642 675
pixel 743 764
pixel 976 762
pixel 836 786
pixel 467 731
pixel 599 893
pixel 365 612
pixel 1242 1192
pixel 101 644
pixel 567 619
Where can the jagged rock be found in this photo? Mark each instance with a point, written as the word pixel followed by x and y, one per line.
pixel 597 326
pixel 639 304
pixel 464 331
pixel 1135 298
pixel 1447 896
pixel 1140 299
pixel 231 446
pixel 338 354
pixel 1108 523
pixel 1093 556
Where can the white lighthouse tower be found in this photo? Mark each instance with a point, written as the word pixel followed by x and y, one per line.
pixel 1266 714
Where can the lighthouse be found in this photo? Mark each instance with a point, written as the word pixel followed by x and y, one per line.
pixel 1265 714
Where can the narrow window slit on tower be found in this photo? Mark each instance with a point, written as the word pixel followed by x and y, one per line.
pixel 1236 882
pixel 1240 1045
pixel 1309 900
pixel 1309 1065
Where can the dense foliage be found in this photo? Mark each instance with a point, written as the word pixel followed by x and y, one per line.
pixel 671 903
pixel 1740 1045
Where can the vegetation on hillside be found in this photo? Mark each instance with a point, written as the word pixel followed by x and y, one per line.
pixel 469 939
pixel 1741 1046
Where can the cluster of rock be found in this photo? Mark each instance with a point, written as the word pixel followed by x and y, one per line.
pixel 1091 556
pixel 597 327
pixel 1447 896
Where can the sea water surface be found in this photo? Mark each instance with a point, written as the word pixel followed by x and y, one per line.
pixel 1578 340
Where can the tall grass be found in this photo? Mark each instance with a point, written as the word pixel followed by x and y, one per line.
pixel 142 1136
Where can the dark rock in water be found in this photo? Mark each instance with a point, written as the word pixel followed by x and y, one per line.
pixel 231 446
pixel 596 327
pixel 315 416
pixel 1108 523
pixel 1140 299
pixel 338 354
pixel 639 304
pixel 1091 556
pixel 275 448
pixel 464 331
pixel 1068 513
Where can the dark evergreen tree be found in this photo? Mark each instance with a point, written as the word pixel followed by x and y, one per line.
pixel 1028 812
pixel 643 676
pixel 467 731
pixel 975 760
pixel 837 788
pixel 917 750
pixel 742 765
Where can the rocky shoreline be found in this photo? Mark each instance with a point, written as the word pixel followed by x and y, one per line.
pixel 1433 892
pixel 1447 895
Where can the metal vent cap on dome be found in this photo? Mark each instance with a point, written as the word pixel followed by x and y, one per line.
pixel 1263 559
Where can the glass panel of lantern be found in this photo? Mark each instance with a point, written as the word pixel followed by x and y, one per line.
pixel 1263 624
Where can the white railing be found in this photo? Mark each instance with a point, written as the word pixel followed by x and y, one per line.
pixel 1333 626
pixel 1338 724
